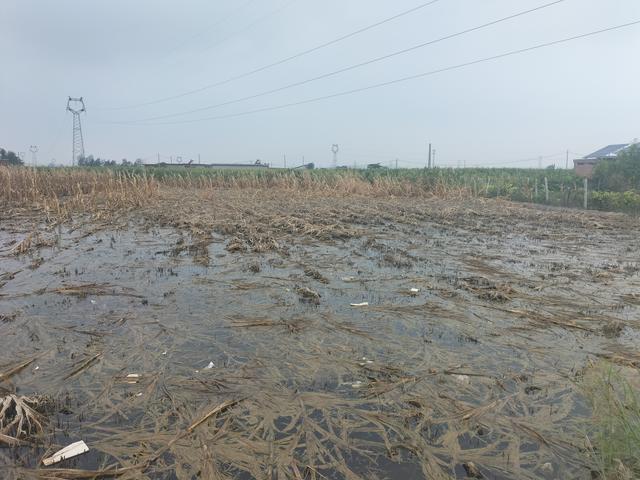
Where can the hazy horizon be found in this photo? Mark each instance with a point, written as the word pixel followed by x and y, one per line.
pixel 577 96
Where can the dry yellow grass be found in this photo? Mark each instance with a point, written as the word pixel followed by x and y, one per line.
pixel 59 192
pixel 61 189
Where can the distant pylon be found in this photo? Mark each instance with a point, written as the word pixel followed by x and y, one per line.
pixel 335 148
pixel 78 141
pixel 34 155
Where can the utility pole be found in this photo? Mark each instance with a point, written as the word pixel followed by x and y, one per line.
pixel 34 155
pixel 429 161
pixel 158 158
pixel 335 149
pixel 540 163
pixel 566 166
pixel 586 193
pixel 76 107
pixel 285 161
pixel 199 162
pixel 434 158
pixel 396 163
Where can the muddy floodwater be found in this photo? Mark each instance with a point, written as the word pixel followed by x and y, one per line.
pixel 341 338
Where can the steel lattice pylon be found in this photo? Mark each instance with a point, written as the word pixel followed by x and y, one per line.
pixel 78 141
pixel 335 149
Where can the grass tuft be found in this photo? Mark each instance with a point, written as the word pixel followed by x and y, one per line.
pixel 615 407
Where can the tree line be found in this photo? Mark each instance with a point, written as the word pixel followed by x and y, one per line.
pixel 620 174
pixel 90 161
pixel 9 157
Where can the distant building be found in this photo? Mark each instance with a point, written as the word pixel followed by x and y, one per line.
pixel 584 166
pixel 375 166
pixel 308 166
pixel 258 164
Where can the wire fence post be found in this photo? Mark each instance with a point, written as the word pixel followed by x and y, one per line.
pixel 586 194
pixel 546 190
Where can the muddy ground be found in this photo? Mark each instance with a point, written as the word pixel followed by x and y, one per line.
pixel 233 310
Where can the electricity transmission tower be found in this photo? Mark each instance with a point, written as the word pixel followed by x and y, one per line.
pixel 76 107
pixel 335 149
pixel 34 155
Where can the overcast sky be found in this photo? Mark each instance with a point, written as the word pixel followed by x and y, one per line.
pixel 579 96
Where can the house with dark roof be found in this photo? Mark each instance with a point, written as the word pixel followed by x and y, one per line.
pixel 584 166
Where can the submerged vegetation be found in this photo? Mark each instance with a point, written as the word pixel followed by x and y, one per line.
pixel 302 325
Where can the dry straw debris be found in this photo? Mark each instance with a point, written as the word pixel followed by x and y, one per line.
pixel 459 357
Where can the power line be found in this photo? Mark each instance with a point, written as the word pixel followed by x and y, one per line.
pixel 279 62
pixel 54 144
pixel 524 160
pixel 225 18
pixel 392 82
pixel 231 35
pixel 382 156
pixel 353 67
pixel 410 162
pixel 254 23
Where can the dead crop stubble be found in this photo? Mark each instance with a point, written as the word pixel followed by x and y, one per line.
pixel 298 326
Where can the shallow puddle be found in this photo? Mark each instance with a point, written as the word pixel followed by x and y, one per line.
pixel 468 350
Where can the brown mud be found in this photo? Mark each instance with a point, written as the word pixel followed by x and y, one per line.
pixel 234 308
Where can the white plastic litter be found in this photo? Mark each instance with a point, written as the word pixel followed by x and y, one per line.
pixel 357 384
pixel 69 451
pixel 464 379
pixel 365 361
pixel 133 378
pixel 363 304
pixel 210 366
pixel 547 468
pixel 415 290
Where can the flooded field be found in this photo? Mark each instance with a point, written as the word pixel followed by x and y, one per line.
pixel 250 334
